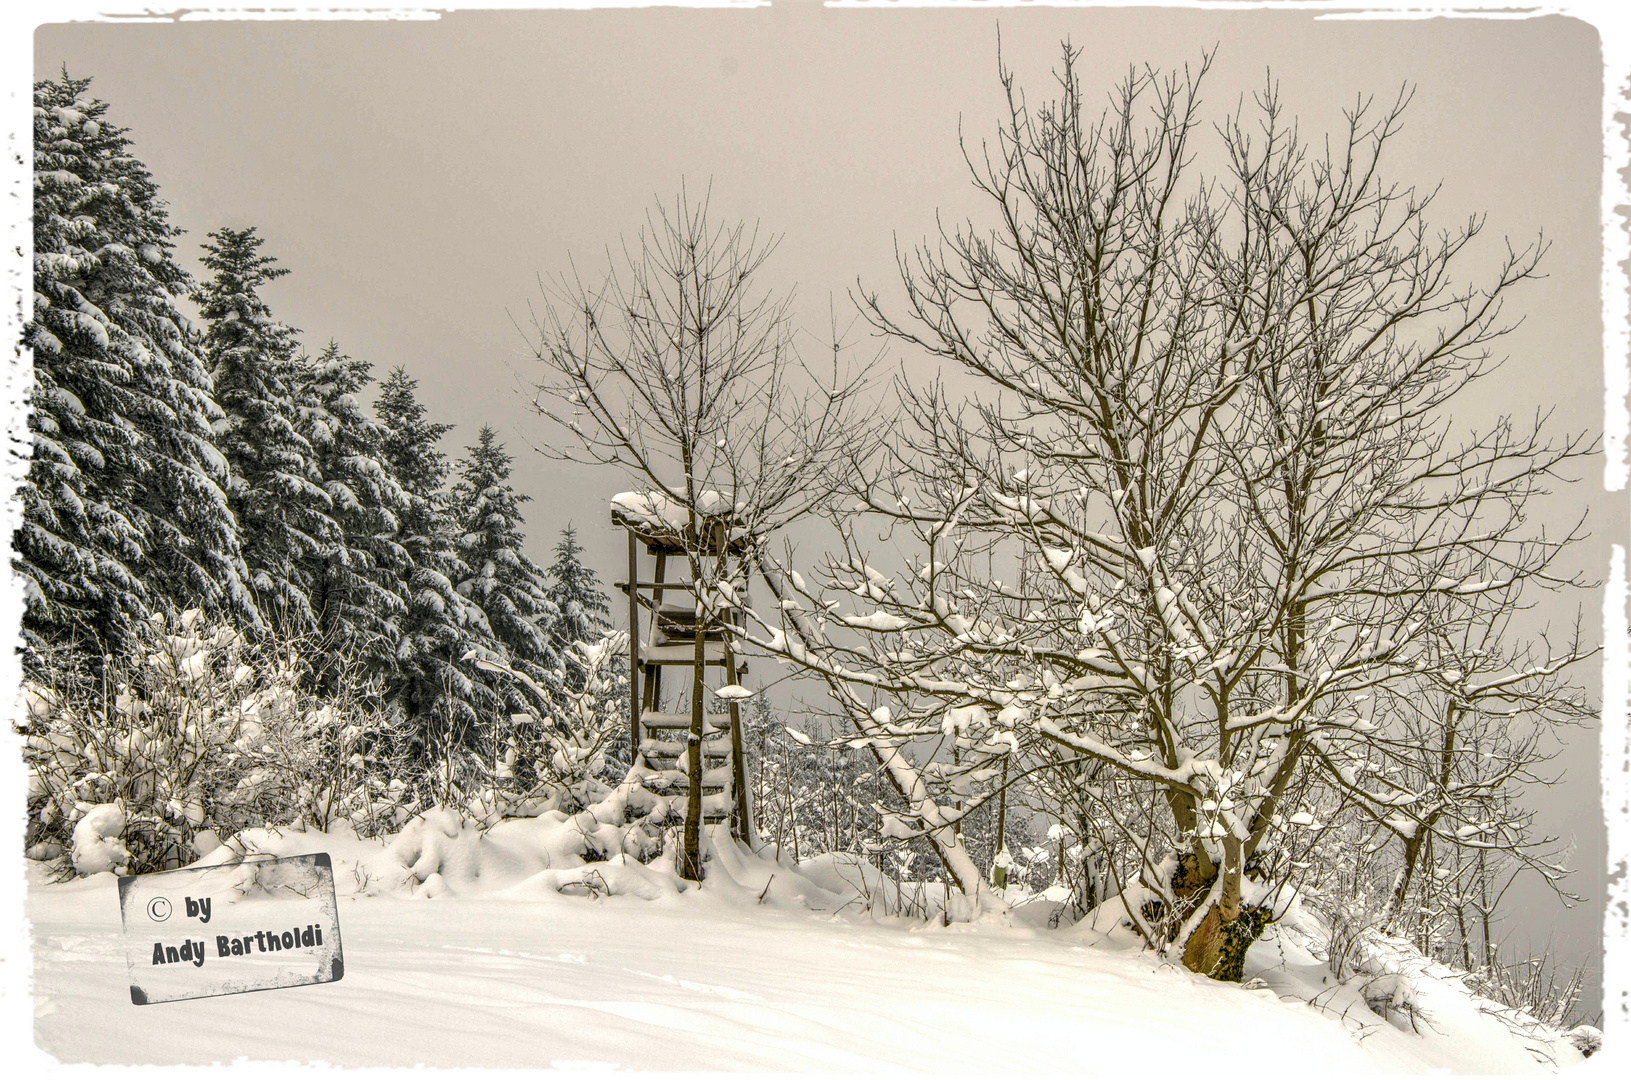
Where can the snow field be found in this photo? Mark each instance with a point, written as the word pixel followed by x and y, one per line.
pixel 462 950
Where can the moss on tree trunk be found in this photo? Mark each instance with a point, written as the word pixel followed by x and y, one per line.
pixel 1217 949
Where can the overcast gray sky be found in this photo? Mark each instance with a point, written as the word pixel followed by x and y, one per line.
pixel 416 177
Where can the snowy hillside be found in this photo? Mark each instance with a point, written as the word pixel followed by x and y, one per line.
pixel 502 949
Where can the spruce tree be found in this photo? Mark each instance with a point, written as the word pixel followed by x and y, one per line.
pixel 359 588
pixel 124 510
pixel 431 682
pixel 574 589
pixel 276 492
pixel 502 578
pixel 584 615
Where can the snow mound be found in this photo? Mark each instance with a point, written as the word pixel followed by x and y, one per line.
pixel 617 876
pixel 867 888
pixel 443 853
pixel 98 844
pixel 1586 1039
pixel 1412 1013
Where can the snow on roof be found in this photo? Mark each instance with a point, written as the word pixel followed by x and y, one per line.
pixel 665 522
pixel 659 511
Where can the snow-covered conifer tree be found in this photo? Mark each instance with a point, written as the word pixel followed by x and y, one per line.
pixel 431 683
pixel 360 585
pixel 574 589
pixel 276 490
pixel 583 618
pixel 501 577
pixel 124 510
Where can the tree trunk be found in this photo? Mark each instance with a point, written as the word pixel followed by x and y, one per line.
pixel 691 857
pixel 1395 904
pixel 1217 948
pixel 1217 942
pixel 999 874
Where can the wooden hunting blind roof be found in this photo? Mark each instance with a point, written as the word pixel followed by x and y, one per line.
pixel 664 526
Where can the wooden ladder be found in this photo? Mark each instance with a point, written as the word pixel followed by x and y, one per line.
pixel 669 641
pixel 663 748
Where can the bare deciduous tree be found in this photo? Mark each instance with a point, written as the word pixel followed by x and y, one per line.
pixel 677 368
pixel 1466 737
pixel 1212 454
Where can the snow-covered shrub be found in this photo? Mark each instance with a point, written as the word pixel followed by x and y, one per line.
pixel 1352 925
pixel 813 794
pixel 1535 986
pixel 1382 969
pixel 1391 995
pixel 553 757
pixel 192 735
pixel 1351 891
pixel 575 738
pixel 1586 1039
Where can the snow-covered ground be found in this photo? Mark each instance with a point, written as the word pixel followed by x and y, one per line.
pixel 461 951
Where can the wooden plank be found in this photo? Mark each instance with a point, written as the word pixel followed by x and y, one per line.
pixel 674 780
pixel 623 587
pixel 683 655
pixel 667 635
pixel 718 777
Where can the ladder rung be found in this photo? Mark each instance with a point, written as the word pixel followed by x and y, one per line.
pixel 678 619
pixel 663 748
pixel 687 637
pixel 658 720
pixel 713 780
pixel 672 655
pixel 711 815
pixel 623 587
pixel 687 612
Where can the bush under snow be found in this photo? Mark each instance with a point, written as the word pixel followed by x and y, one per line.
pixel 194 736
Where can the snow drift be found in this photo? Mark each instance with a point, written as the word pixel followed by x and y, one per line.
pixel 538 941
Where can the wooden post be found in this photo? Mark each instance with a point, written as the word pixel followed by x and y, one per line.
pixel 741 826
pixel 654 673
pixel 634 650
